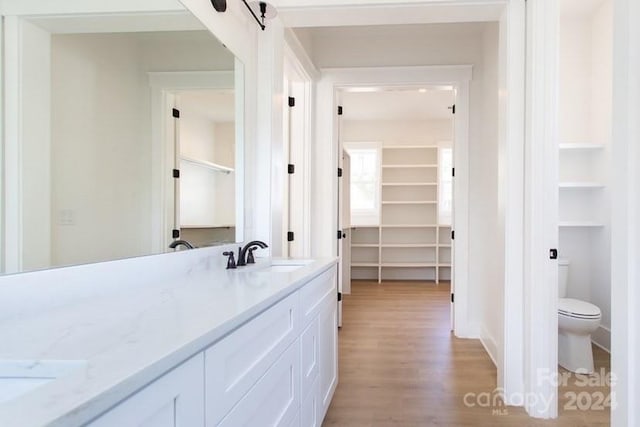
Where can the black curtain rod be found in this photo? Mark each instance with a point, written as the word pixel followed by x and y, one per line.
pixel 261 24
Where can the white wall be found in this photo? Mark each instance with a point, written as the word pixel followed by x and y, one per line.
pixel 486 222
pixel 197 133
pixel 224 150
pixel 100 173
pixel 574 93
pixel 397 132
pixel 35 151
pixel 601 130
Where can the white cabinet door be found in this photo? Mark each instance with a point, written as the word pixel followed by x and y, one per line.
pixel 310 409
pixel 275 399
pixel 296 421
pixel 235 363
pixel 309 355
pixel 174 400
pixel 328 346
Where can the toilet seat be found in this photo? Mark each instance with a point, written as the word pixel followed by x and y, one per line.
pixel 578 309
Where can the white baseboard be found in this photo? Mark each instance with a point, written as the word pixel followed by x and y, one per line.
pixel 602 338
pixel 489 345
pixel 472 332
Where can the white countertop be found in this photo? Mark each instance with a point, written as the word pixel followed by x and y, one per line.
pixel 131 336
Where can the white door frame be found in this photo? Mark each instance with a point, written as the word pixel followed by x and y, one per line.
pixel 325 224
pixel 541 209
pixel 300 86
pixel 625 225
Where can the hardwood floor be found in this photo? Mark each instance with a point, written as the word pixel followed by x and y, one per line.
pixel 401 366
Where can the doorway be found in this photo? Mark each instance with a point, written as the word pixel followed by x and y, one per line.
pixel 400 140
pixel 204 147
pixel 228 88
pixel 453 79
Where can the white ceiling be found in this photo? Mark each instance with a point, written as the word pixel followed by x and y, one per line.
pixel 397 104
pixel 418 31
pixel 119 23
pixel 321 13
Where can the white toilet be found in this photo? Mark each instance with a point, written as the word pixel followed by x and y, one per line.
pixel 576 321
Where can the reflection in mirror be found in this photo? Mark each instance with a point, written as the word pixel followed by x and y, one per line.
pixel 108 189
pixel 207 166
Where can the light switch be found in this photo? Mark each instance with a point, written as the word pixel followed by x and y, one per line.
pixel 67 217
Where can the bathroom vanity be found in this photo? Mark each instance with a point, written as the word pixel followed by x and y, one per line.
pixel 213 347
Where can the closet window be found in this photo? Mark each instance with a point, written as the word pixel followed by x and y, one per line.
pixel 445 185
pixel 365 185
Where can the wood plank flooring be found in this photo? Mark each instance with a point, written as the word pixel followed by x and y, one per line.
pixel 401 366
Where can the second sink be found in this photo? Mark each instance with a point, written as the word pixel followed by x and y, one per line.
pixel 18 377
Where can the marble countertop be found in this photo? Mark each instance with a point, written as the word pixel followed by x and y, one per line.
pixel 131 336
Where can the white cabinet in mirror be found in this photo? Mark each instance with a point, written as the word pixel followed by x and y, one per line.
pixel 100 146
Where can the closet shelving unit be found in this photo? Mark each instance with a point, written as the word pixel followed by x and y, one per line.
pixel 407 243
pixel 580 185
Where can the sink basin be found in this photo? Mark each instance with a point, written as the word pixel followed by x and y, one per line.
pixel 18 377
pixel 285 265
pixel 281 268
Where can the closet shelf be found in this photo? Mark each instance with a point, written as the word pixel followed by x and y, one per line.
pixel 408 240
pixel 581 185
pixel 364 245
pixel 409 264
pixel 207 225
pixel 409 184
pixel 409 147
pixel 409 245
pixel 208 165
pixel 410 166
pixel 410 202
pixel 580 146
pixel 409 225
pixel 568 224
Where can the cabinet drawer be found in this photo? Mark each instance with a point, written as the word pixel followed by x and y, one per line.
pixel 309 354
pixel 275 399
pixel 235 363
pixel 173 400
pixel 315 293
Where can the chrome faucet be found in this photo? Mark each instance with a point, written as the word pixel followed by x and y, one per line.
pixel 177 243
pixel 243 259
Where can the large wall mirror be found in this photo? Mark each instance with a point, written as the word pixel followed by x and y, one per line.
pixel 130 137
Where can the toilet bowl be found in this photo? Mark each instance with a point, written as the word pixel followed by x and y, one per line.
pixel 577 320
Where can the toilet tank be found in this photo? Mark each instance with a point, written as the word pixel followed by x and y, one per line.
pixel 563 276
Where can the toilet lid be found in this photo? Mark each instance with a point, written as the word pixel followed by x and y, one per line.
pixel 577 308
